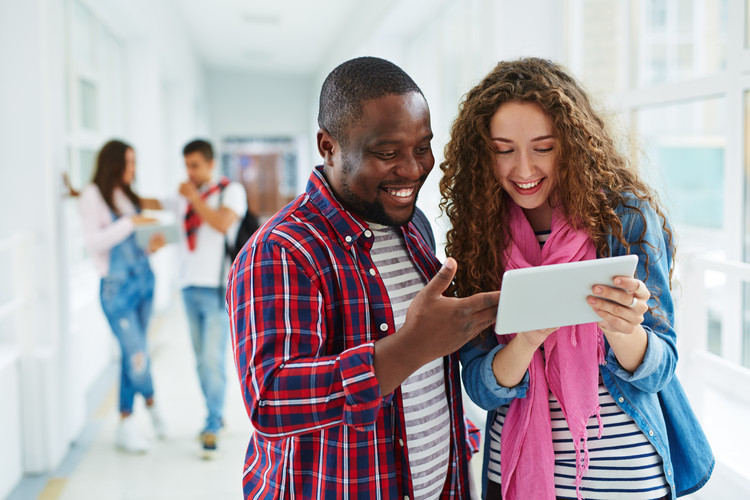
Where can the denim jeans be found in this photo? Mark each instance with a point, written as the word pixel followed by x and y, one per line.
pixel 209 332
pixel 126 295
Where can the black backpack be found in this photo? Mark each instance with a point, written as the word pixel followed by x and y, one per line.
pixel 248 226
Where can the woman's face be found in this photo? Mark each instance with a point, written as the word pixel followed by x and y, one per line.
pixel 525 157
pixel 129 175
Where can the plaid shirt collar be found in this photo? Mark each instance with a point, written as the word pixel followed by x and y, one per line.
pixel 348 226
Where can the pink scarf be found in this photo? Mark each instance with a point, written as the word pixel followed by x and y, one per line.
pixel 568 366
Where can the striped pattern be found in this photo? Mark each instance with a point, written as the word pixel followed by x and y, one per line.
pixel 306 304
pixel 623 463
pixel 423 393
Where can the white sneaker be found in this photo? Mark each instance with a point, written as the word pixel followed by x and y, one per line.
pixel 157 419
pixel 129 439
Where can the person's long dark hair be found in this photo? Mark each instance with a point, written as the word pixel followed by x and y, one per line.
pixel 110 168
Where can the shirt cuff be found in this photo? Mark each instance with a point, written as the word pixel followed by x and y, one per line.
pixel 652 360
pixel 361 388
pixel 490 382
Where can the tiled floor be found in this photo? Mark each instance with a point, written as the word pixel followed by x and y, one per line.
pixel 173 468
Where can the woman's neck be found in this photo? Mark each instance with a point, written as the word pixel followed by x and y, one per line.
pixel 540 218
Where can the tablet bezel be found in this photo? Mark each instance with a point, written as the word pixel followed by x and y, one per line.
pixel 550 296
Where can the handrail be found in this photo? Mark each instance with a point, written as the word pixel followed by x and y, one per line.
pixel 736 269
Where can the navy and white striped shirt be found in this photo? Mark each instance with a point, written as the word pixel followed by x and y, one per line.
pixel 622 464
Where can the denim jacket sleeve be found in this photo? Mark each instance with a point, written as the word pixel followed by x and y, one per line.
pixel 659 363
pixel 479 380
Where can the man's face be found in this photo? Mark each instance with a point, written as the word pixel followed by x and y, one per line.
pixel 199 169
pixel 387 156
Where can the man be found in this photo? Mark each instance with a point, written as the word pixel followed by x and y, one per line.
pixel 212 217
pixel 345 357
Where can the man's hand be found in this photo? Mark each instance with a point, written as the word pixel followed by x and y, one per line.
pixel 439 325
pixel 435 326
pixel 188 190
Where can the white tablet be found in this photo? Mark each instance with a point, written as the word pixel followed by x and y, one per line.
pixel 552 296
pixel 143 233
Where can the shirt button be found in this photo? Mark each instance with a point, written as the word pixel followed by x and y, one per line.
pixel 669 472
pixel 373 272
pixel 651 433
pixel 406 497
pixel 400 442
pixel 383 327
pixel 368 233
pixel 620 399
pixel 348 239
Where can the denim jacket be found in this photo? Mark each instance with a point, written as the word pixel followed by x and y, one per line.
pixel 651 395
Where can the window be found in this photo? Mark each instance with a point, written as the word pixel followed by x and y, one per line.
pixel 94 107
pixel 684 159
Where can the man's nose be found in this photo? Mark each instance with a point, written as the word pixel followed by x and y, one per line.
pixel 412 167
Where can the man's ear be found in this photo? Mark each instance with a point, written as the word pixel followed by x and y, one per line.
pixel 327 146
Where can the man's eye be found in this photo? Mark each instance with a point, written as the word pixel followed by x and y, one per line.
pixel 387 156
pixel 423 149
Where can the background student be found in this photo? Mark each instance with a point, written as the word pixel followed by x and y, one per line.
pixel 110 212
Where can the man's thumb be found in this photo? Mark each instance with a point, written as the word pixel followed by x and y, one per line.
pixel 444 276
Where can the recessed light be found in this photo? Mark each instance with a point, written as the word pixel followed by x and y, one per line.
pixel 269 19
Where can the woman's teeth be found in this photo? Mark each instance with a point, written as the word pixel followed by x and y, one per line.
pixel 528 185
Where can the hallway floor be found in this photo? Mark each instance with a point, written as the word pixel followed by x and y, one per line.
pixel 173 468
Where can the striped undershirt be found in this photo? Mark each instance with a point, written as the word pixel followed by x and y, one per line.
pixel 423 393
pixel 622 464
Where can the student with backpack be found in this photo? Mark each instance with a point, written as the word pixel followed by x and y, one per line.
pixel 213 214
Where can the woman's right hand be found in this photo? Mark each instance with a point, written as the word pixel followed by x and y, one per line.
pixel 140 220
pixel 536 338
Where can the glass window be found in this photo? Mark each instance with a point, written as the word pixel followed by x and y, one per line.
pixel 679 39
pixel 683 146
pixel 82 36
pixel 603 41
pixel 88 101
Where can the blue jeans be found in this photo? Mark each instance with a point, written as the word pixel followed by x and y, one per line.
pixel 209 331
pixel 127 298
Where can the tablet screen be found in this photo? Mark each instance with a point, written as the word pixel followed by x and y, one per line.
pixel 143 233
pixel 553 296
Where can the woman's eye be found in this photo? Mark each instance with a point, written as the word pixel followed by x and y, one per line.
pixel 544 150
pixel 504 152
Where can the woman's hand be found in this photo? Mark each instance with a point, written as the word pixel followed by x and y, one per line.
pixel 536 338
pixel 140 220
pixel 621 306
pixel 156 241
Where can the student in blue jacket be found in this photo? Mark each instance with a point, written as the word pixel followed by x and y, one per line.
pixel 533 177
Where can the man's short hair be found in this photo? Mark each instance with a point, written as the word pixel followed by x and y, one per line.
pixel 201 146
pixel 355 81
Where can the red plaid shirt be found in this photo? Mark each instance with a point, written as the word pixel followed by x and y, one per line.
pixel 306 304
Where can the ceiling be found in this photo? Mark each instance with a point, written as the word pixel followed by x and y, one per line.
pixel 281 36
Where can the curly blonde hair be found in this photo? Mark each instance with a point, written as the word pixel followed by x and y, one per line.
pixel 593 177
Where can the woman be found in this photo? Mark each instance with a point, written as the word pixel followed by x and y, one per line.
pixel 532 177
pixel 110 212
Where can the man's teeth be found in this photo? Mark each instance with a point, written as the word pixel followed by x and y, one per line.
pixel 528 185
pixel 401 193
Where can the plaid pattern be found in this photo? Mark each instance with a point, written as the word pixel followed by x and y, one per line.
pixel 192 220
pixel 306 304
